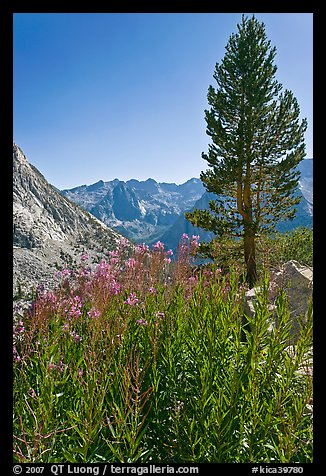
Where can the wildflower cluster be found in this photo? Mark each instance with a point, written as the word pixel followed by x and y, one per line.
pixel 188 246
pixel 127 359
pixel 132 300
pixel 60 367
pixel 73 308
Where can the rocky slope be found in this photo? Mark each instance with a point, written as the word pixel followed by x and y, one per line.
pixel 50 232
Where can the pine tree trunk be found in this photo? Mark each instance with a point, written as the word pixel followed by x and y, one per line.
pixel 250 259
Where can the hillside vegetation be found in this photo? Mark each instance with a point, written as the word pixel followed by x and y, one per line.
pixel 143 360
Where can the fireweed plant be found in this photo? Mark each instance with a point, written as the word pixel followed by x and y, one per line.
pixel 143 359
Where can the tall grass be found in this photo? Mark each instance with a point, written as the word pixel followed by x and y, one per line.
pixel 142 359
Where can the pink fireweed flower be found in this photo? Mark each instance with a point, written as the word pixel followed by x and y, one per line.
pixel 159 315
pixel 80 373
pixel 17 357
pixel 60 367
pixel 84 272
pixel 123 243
pixel 74 312
pixel 131 263
pixel 75 336
pixel 159 246
pixel 103 269
pixel 74 307
pixel 169 253
pixel 142 322
pixel 185 236
pixel 114 257
pixel 94 313
pixel 114 261
pixel 194 245
pixel 132 299
pixel 115 287
pixel 32 393
pixel 84 257
pixel 52 299
pixel 113 253
pixel 18 329
pixel 167 260
pixel 152 290
pixel 65 273
pixel 142 249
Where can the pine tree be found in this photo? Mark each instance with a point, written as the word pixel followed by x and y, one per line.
pixel 257 142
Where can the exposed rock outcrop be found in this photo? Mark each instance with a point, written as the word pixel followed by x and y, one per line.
pixel 49 231
pixel 141 210
pixel 146 211
pixel 297 281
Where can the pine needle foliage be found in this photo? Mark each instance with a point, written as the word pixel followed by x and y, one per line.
pixel 257 141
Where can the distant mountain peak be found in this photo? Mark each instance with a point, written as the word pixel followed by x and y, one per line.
pixel 147 210
pixel 19 154
pixel 139 209
pixel 96 185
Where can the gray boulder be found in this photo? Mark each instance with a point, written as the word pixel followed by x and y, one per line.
pixel 297 281
pixel 251 302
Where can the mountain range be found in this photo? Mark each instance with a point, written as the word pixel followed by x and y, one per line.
pixel 141 210
pixel 146 211
pixel 52 228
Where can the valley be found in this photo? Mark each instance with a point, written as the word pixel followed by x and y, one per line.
pixel 53 228
pixel 147 211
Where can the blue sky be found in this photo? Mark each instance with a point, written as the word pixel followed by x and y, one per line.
pixel 104 96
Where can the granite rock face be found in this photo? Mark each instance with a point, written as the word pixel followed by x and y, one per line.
pixel 141 210
pixel 297 281
pixel 147 211
pixel 49 231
